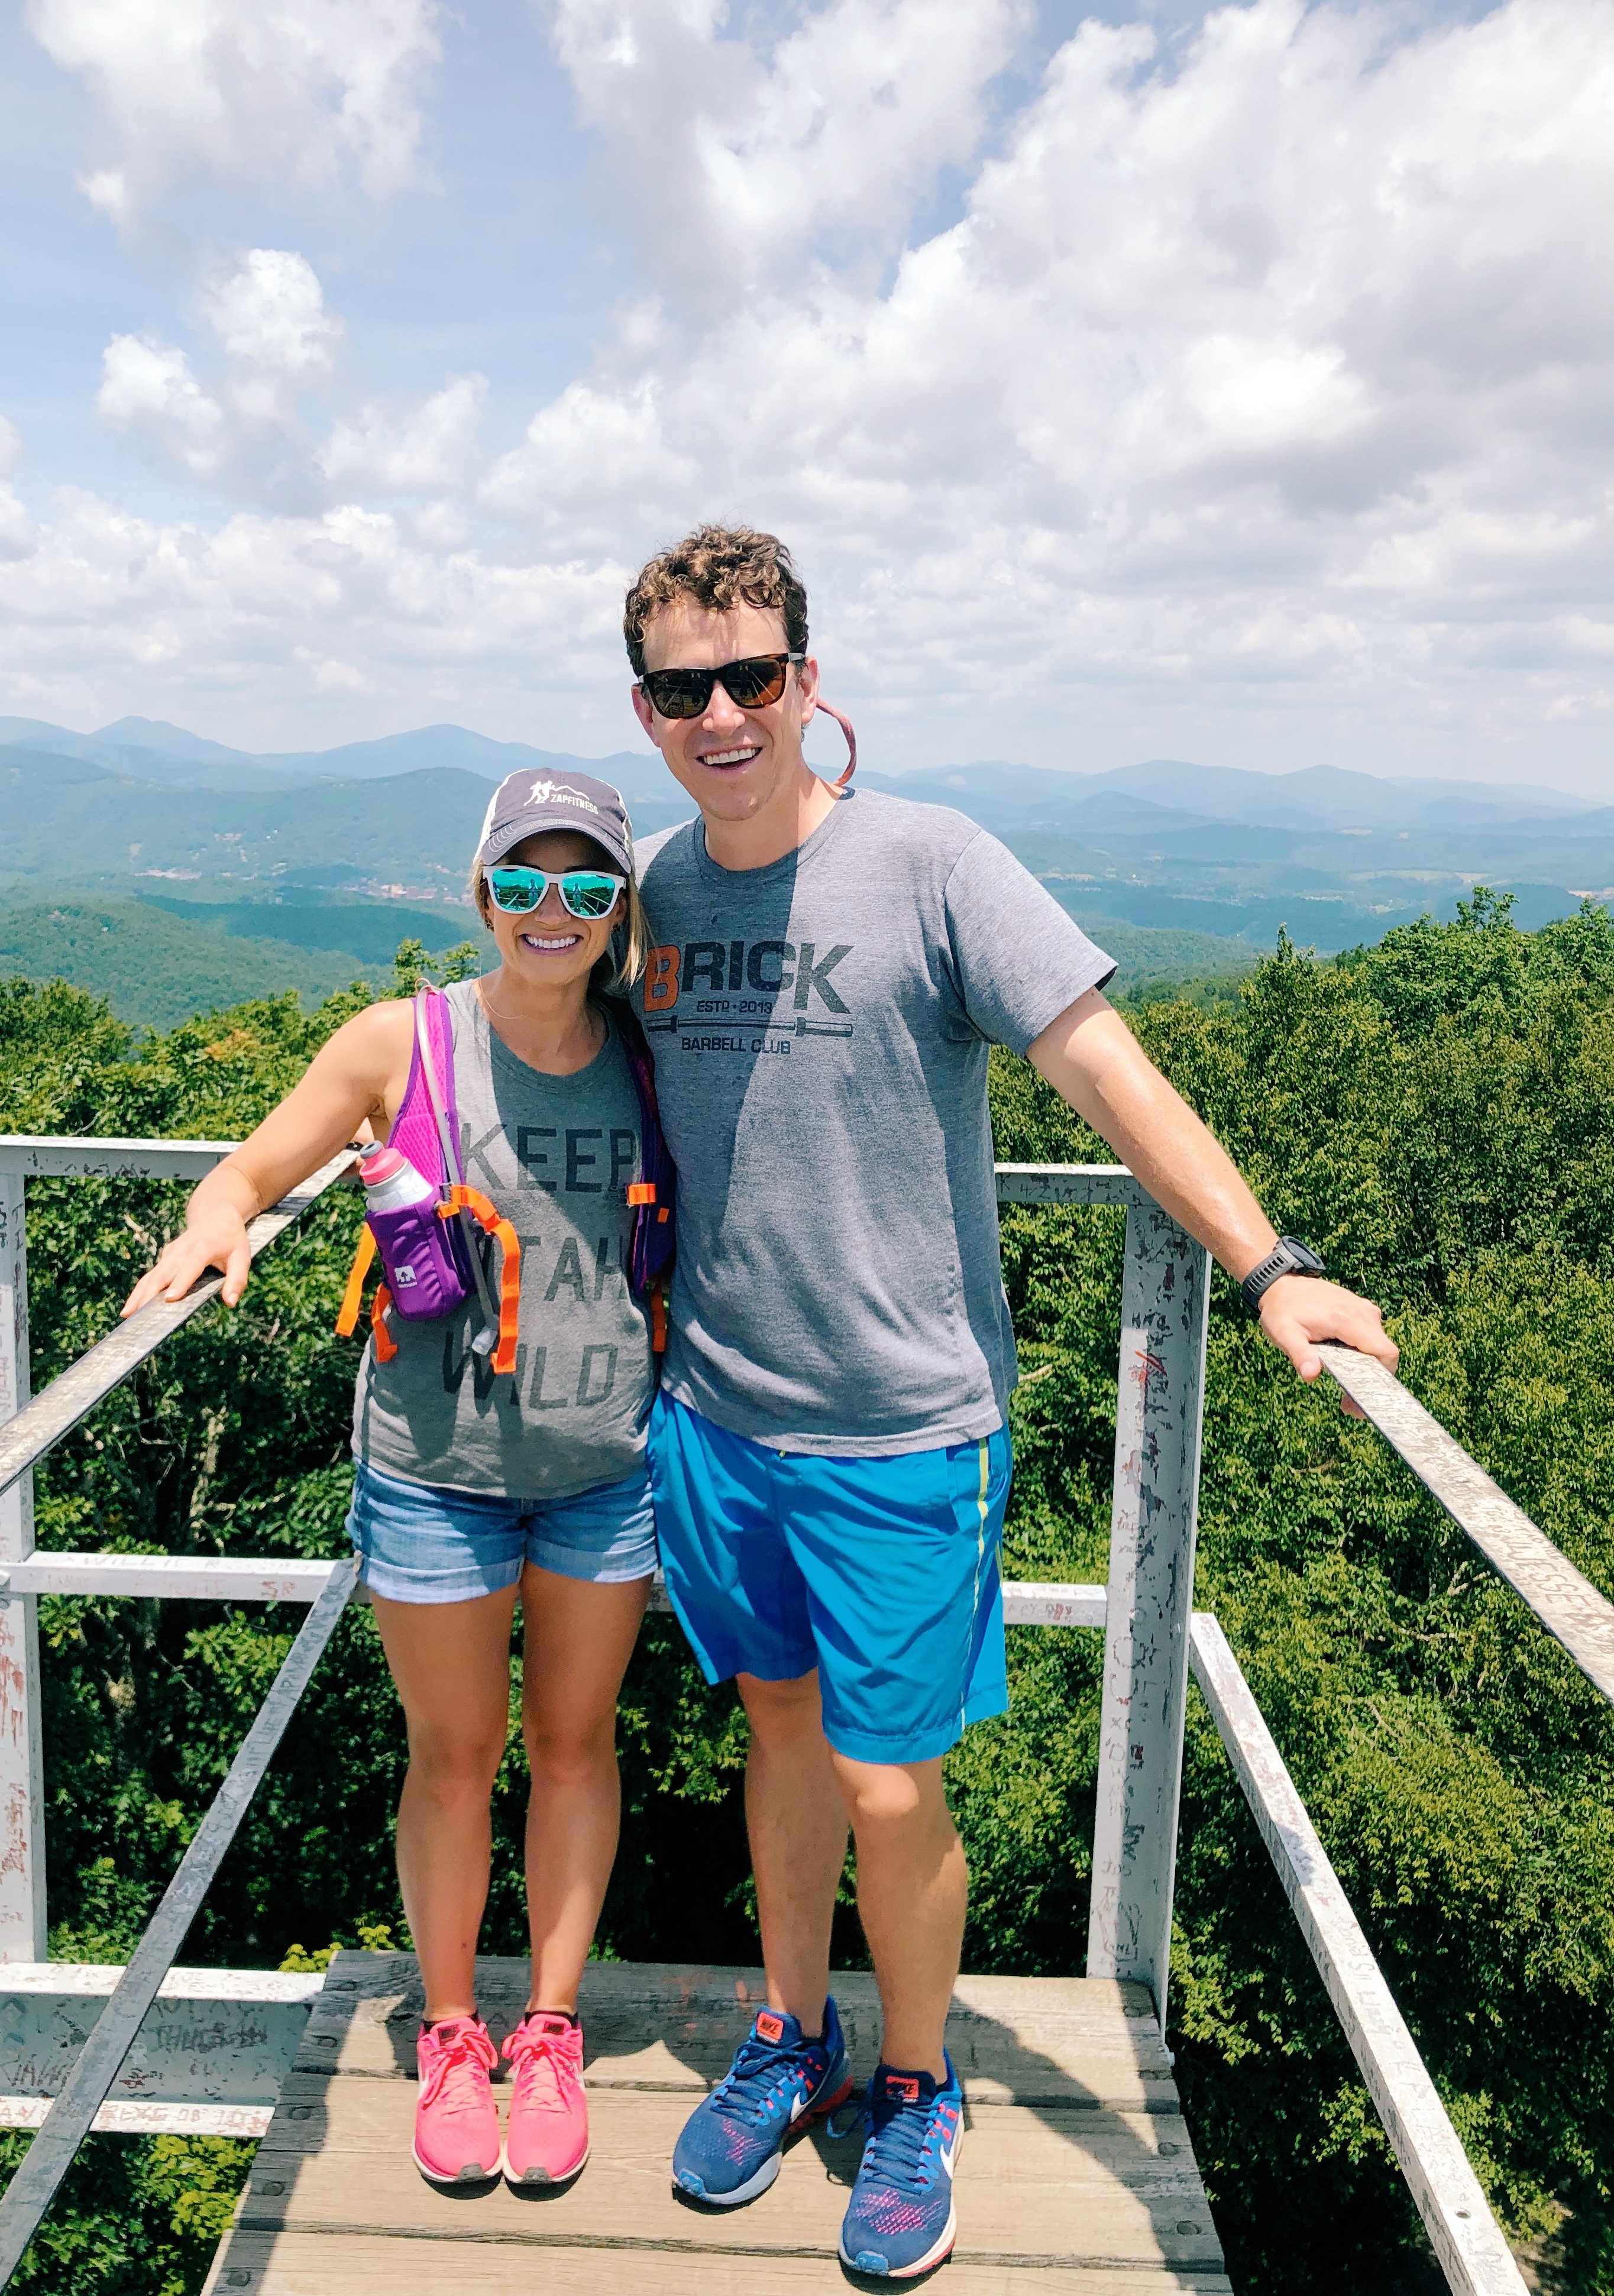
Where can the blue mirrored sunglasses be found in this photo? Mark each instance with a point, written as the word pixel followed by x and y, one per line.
pixel 585 893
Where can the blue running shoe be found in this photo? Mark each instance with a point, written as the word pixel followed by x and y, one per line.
pixel 900 2220
pixel 732 2144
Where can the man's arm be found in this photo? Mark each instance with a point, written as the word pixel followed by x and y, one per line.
pixel 1093 1061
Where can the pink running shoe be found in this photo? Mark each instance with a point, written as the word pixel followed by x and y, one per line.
pixel 456 2119
pixel 548 2142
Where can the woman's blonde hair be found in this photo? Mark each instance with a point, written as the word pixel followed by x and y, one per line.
pixel 624 959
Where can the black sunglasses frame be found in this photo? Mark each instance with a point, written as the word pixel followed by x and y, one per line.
pixel 702 682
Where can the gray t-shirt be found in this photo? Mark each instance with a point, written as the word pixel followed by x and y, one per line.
pixel 820 1029
pixel 556 1155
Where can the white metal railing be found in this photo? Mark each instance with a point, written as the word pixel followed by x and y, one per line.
pixel 83 2092
pixel 1151 1638
pixel 1562 1598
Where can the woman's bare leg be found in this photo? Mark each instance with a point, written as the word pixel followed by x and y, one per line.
pixel 451 1664
pixel 579 1639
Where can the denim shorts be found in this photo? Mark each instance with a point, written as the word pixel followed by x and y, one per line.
pixel 420 1543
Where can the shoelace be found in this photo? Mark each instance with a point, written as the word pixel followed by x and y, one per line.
pixel 752 2083
pixel 533 2055
pixel 898 2134
pixel 452 2071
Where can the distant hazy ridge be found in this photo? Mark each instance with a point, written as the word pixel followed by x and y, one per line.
pixel 160 867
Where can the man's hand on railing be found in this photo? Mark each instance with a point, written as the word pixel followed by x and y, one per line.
pixel 1297 1311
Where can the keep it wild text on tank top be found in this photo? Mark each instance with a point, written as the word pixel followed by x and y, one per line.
pixel 557 1155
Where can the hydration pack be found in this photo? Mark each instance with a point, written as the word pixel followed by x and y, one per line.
pixel 430 1252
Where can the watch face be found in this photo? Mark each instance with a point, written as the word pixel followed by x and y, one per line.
pixel 1307 1262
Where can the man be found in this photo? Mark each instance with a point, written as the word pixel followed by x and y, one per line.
pixel 828 1453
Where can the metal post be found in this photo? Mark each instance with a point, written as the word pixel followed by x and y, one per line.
pixel 23 1920
pixel 1160 1401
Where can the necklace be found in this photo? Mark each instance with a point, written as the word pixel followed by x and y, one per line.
pixel 597 1030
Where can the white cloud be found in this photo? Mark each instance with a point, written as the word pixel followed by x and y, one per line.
pixel 1253 408
pixel 1282 370
pixel 264 616
pixel 729 165
pixel 426 446
pixel 242 430
pixel 254 429
pixel 16 526
pixel 267 311
pixel 289 91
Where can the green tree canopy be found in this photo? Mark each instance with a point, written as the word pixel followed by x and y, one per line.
pixel 1434 1114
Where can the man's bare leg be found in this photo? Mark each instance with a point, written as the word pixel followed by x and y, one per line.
pixel 913 1888
pixel 796 1819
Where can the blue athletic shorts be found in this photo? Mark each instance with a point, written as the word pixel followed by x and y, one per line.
pixel 882 1573
pixel 419 1543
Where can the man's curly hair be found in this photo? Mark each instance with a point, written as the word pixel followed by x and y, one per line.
pixel 720 567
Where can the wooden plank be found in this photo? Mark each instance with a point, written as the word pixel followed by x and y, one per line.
pixel 659 2025
pixel 350 2114
pixel 1562 1598
pixel 1029 2188
pixel 209 2060
pixel 1057 2193
pixel 1466 2238
pixel 320 2264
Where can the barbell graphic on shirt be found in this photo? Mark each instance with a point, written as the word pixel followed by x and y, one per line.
pixel 665 1022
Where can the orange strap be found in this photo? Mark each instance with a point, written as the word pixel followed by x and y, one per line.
pixel 641 1192
pixel 473 1201
pixel 347 1321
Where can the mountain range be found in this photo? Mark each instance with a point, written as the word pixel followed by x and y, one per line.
pixel 1315 797
pixel 321 859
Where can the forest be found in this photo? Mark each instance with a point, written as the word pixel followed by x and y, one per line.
pixel 1434 1113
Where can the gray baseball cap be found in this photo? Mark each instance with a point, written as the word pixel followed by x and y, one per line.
pixel 526 803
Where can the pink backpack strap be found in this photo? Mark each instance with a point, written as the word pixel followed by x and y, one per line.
pixel 417 1130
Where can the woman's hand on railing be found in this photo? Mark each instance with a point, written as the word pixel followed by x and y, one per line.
pixel 1297 1311
pixel 218 1239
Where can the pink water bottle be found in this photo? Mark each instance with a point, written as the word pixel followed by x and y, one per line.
pixel 391 1181
pixel 424 1257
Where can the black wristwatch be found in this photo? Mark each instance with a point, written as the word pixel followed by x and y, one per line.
pixel 1288 1257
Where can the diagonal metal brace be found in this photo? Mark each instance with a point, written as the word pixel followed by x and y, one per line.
pixel 58 1409
pixel 68 2122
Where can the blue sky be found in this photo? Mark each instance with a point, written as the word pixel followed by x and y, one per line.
pixel 1130 382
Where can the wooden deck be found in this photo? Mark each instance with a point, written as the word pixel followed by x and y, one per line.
pixel 1075 2173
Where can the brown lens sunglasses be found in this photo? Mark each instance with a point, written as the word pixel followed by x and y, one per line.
pixel 750 684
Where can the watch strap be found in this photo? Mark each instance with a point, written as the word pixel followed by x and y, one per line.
pixel 1288 1257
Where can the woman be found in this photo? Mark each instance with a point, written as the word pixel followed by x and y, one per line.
pixel 474 1491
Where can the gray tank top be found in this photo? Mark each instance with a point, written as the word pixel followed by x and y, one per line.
pixel 556 1155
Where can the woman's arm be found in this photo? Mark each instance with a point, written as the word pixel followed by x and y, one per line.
pixel 360 1072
